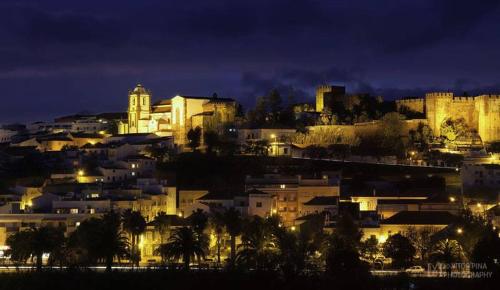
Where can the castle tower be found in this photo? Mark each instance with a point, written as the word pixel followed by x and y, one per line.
pixel 489 117
pixel 326 96
pixel 139 110
pixel 436 109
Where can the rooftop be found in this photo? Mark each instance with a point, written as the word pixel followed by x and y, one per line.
pixel 323 200
pixel 420 218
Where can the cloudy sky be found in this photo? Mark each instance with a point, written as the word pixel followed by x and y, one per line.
pixel 60 57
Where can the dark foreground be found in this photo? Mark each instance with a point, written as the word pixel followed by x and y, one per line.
pixel 220 281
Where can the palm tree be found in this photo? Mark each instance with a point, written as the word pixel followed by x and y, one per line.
pixel 100 238
pixel 217 224
pixel 257 248
pixel 44 239
pixel 233 223
pixel 135 224
pixel 448 252
pixel 19 247
pixel 113 242
pixel 183 243
pixel 162 223
pixel 199 222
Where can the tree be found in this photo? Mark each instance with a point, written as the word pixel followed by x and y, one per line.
pixel 487 250
pixel 451 129
pixel 422 240
pixel 342 252
pixel 448 252
pixel 194 138
pixel 421 137
pixel 42 240
pixel 162 223
pixel 391 132
pixel 233 223
pixel 217 225
pixel 211 139
pixel 199 222
pixel 400 249
pixel 19 247
pixel 256 249
pixel 342 258
pixel 183 244
pixel 275 105
pixel 348 230
pixel 369 248
pixel 259 147
pixel 135 224
pixel 101 238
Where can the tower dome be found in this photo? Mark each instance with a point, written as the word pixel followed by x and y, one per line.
pixel 139 89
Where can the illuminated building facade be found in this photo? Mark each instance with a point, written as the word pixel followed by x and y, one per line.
pixel 175 117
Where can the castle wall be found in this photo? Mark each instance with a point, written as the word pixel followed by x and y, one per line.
pixel 481 113
pixel 327 95
pixel 488 107
pixel 416 105
pixel 464 107
pixel 436 105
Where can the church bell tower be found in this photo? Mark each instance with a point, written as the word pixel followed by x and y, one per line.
pixel 139 110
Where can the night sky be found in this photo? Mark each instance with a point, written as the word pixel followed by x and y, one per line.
pixel 62 57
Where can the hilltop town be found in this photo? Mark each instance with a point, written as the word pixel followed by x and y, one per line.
pixel 398 171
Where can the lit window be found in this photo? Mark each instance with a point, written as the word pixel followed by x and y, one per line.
pixel 282 186
pixel 92 211
pixel 74 211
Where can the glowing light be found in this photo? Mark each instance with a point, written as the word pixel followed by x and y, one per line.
pixel 179 214
pixel 460 231
pixel 382 239
pixel 273 135
pixel 293 228
pixel 102 132
pixel 452 199
pixel 274 211
pixel 81 172
pixel 479 204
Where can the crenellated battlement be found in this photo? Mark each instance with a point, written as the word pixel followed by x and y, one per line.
pixel 493 97
pixel 410 100
pixel 463 99
pixel 439 95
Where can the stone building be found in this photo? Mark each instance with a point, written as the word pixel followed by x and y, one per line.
pixel 176 116
pixel 481 113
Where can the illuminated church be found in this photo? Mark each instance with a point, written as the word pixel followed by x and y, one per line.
pixel 176 116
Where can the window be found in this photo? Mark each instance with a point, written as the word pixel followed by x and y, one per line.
pixel 285 150
pixel 73 211
pixel 282 186
pixel 258 204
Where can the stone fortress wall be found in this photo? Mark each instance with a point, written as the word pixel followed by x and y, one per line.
pixel 481 113
pixel 413 104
